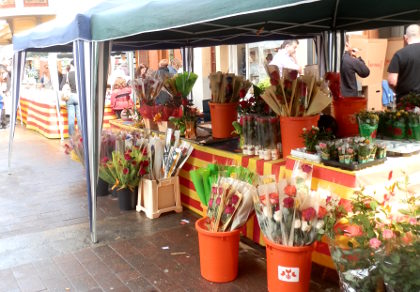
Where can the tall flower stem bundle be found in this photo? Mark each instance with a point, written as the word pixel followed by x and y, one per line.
pixel 227 87
pixel 293 96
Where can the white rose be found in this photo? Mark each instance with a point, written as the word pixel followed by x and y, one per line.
pixel 319 224
pixel 277 216
pixel 298 223
pixel 305 226
pixel 266 212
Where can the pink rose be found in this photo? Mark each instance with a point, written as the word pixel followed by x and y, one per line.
pixel 413 221
pixel 210 202
pixel 218 200
pixel 214 190
pixel 235 199
pixel 306 168
pixel 229 209
pixel 374 243
pixel 387 234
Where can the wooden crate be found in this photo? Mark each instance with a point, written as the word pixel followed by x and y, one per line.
pixel 156 198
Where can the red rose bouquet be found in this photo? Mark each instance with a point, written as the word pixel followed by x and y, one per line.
pixel 288 212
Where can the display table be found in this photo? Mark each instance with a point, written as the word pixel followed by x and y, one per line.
pixel 39 112
pixel 343 183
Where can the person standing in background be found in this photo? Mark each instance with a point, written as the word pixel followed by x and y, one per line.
pixel 72 103
pixel 286 56
pixel 351 65
pixel 120 97
pixel 175 66
pixel 404 68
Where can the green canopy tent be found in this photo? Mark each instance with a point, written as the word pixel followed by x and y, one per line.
pixel 165 24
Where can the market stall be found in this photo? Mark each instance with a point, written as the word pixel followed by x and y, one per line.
pixel 40 114
pixel 260 21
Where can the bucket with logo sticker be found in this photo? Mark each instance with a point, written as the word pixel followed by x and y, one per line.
pixel 288 267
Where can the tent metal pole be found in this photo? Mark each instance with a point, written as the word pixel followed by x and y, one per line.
pixel 18 67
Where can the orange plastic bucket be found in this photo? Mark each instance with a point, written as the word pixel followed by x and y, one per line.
pixel 291 131
pixel 344 110
pixel 288 267
pixel 218 253
pixel 222 116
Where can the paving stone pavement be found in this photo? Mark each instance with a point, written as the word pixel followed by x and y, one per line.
pixel 45 241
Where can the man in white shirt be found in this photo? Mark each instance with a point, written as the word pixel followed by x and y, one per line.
pixel 286 56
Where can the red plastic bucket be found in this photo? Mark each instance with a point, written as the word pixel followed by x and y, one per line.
pixel 344 110
pixel 218 253
pixel 222 116
pixel 288 267
pixel 291 131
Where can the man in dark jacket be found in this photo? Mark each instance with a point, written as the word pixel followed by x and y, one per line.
pixel 351 65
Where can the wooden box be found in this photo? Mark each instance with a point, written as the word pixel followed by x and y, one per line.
pixel 156 198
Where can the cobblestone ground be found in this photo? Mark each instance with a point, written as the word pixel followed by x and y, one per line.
pixel 45 241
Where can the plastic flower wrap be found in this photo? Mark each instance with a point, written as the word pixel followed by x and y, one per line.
pixel 288 212
pixel 228 192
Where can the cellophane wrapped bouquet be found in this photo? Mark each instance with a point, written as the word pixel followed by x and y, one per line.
pixel 229 195
pixel 288 212
pixel 374 238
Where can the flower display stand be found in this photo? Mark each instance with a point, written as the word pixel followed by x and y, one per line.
pixel 158 197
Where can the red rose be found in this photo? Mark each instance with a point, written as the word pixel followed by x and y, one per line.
pixel 288 202
pixel 242 93
pixel 145 163
pixel 346 204
pixel 142 171
pixel 133 163
pixel 125 171
pixel 322 212
pixel 105 159
pixel 290 190
pixel 308 214
pixel 144 152
pixel 127 156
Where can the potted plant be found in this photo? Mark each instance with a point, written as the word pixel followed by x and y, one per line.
pixel 368 124
pixel 413 131
pixel 124 171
